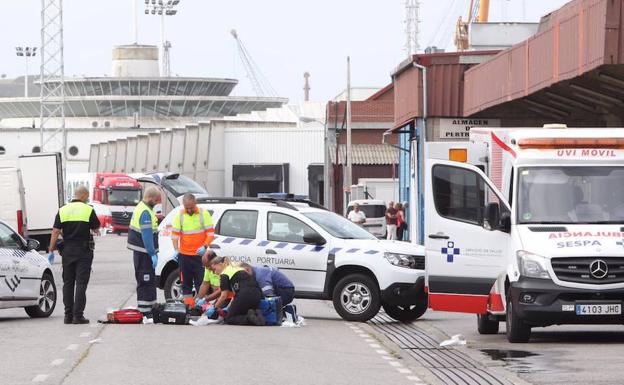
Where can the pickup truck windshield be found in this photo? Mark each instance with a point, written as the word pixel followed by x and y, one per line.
pixel 338 226
pixel 124 197
pixel 571 195
pixel 179 185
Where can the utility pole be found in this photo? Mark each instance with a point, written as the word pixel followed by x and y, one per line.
pixel 52 116
pixel 163 8
pixel 348 180
pixel 306 87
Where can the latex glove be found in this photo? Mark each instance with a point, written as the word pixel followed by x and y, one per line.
pixel 154 260
pixel 176 255
pixel 201 251
pixel 51 257
pixel 200 302
pixel 211 311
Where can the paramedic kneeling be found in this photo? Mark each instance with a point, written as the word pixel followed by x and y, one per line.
pixel 210 288
pixel 272 282
pixel 243 310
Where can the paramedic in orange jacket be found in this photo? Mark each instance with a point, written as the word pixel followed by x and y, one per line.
pixel 192 233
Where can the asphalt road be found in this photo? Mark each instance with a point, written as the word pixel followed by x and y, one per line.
pixel 325 351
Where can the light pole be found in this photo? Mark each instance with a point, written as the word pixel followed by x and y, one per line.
pixel 326 157
pixel 26 53
pixel 163 8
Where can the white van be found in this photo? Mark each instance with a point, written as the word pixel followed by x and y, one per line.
pixel 535 240
pixel 375 211
pixel 33 191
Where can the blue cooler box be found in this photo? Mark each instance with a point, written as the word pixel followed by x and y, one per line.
pixel 272 310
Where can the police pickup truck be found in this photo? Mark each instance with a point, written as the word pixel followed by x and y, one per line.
pixel 326 256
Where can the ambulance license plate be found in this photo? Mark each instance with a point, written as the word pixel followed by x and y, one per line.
pixel 596 309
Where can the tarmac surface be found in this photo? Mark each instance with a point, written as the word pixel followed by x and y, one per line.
pixel 327 350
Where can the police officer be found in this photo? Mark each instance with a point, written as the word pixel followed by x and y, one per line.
pixel 143 241
pixel 192 232
pixel 75 220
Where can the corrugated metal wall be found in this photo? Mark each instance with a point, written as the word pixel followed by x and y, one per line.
pixel 579 37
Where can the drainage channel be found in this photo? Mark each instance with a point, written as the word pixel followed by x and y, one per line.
pixel 448 365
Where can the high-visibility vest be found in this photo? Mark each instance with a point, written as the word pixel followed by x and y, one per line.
pixel 229 271
pixel 135 240
pixel 194 231
pixel 75 212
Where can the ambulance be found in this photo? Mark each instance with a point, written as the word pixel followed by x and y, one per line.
pixel 526 226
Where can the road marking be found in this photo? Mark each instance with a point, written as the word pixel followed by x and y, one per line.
pixel 395 364
pixel 374 346
pixel 386 357
pixel 404 371
pixel 370 341
pixel 85 335
pixel 40 377
pixel 57 362
pixel 383 352
pixel 414 378
pixel 72 347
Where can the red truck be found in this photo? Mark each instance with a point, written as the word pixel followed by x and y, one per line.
pixel 113 196
pixel 118 194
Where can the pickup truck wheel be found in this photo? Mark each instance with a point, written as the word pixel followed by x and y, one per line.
pixel 47 298
pixel 407 313
pixel 173 286
pixel 517 330
pixel 356 298
pixel 485 325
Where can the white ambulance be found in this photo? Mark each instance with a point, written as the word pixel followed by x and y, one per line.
pixel 532 234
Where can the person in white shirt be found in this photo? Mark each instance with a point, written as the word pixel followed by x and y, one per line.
pixel 357 216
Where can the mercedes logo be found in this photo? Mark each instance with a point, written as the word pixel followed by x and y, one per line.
pixel 125 215
pixel 598 269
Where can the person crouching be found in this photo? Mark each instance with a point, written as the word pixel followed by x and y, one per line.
pixel 243 309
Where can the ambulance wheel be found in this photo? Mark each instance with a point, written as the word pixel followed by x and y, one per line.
pixel 173 286
pixel 517 330
pixel 485 325
pixel 47 298
pixel 356 298
pixel 407 313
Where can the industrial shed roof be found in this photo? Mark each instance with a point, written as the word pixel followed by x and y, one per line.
pixel 367 154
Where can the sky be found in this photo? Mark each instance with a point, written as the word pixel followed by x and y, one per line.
pixel 284 38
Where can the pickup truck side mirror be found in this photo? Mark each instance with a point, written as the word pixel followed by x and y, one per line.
pixel 492 216
pixel 32 244
pixel 314 239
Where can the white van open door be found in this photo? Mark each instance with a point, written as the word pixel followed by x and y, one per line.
pixel 466 236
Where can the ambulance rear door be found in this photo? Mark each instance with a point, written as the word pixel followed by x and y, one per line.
pixel 467 224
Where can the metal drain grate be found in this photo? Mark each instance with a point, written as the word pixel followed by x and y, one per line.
pixel 449 365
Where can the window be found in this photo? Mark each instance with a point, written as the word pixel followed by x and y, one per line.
pixel 284 228
pixel 238 223
pixel 73 151
pixel 461 194
pixel 9 239
pixel 338 226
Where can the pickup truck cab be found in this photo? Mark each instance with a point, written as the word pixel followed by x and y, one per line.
pixel 326 256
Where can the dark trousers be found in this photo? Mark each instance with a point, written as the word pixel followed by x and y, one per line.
pixel 286 293
pixel 146 282
pixel 191 273
pixel 400 231
pixel 244 300
pixel 77 261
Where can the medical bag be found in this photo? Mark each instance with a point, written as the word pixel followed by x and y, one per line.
pixel 124 316
pixel 172 313
pixel 272 310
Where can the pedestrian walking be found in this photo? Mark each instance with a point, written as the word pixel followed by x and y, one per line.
pixel 75 221
pixel 143 241
pixel 192 233
pixel 391 221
